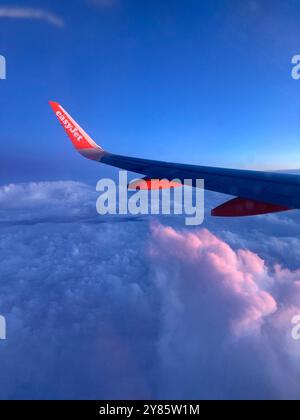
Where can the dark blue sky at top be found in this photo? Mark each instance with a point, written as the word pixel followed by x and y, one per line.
pixel 205 82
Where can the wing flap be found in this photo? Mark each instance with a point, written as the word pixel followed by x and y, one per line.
pixel 240 207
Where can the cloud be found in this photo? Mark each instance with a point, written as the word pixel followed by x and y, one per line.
pixel 64 289
pixel 233 277
pixel 105 310
pixel 31 13
pixel 224 308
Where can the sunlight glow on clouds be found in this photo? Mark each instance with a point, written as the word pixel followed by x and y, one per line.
pixel 235 278
pixel 224 308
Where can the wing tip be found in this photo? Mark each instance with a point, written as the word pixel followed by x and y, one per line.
pixel 53 104
pixel 80 139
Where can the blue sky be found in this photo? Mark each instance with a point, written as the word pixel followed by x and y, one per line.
pixel 206 83
pixel 94 307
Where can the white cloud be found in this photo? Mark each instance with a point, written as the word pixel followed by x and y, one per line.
pixel 31 13
pixel 74 295
pixel 107 309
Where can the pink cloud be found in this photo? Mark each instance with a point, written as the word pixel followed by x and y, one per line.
pixel 226 316
pixel 239 279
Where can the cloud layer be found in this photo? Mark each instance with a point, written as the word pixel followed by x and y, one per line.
pixel 121 308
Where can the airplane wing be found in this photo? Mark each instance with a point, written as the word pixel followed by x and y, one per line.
pixel 256 192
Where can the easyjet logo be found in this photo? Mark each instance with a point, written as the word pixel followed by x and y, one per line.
pixel 68 126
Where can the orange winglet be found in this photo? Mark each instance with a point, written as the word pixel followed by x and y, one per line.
pixel 80 139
